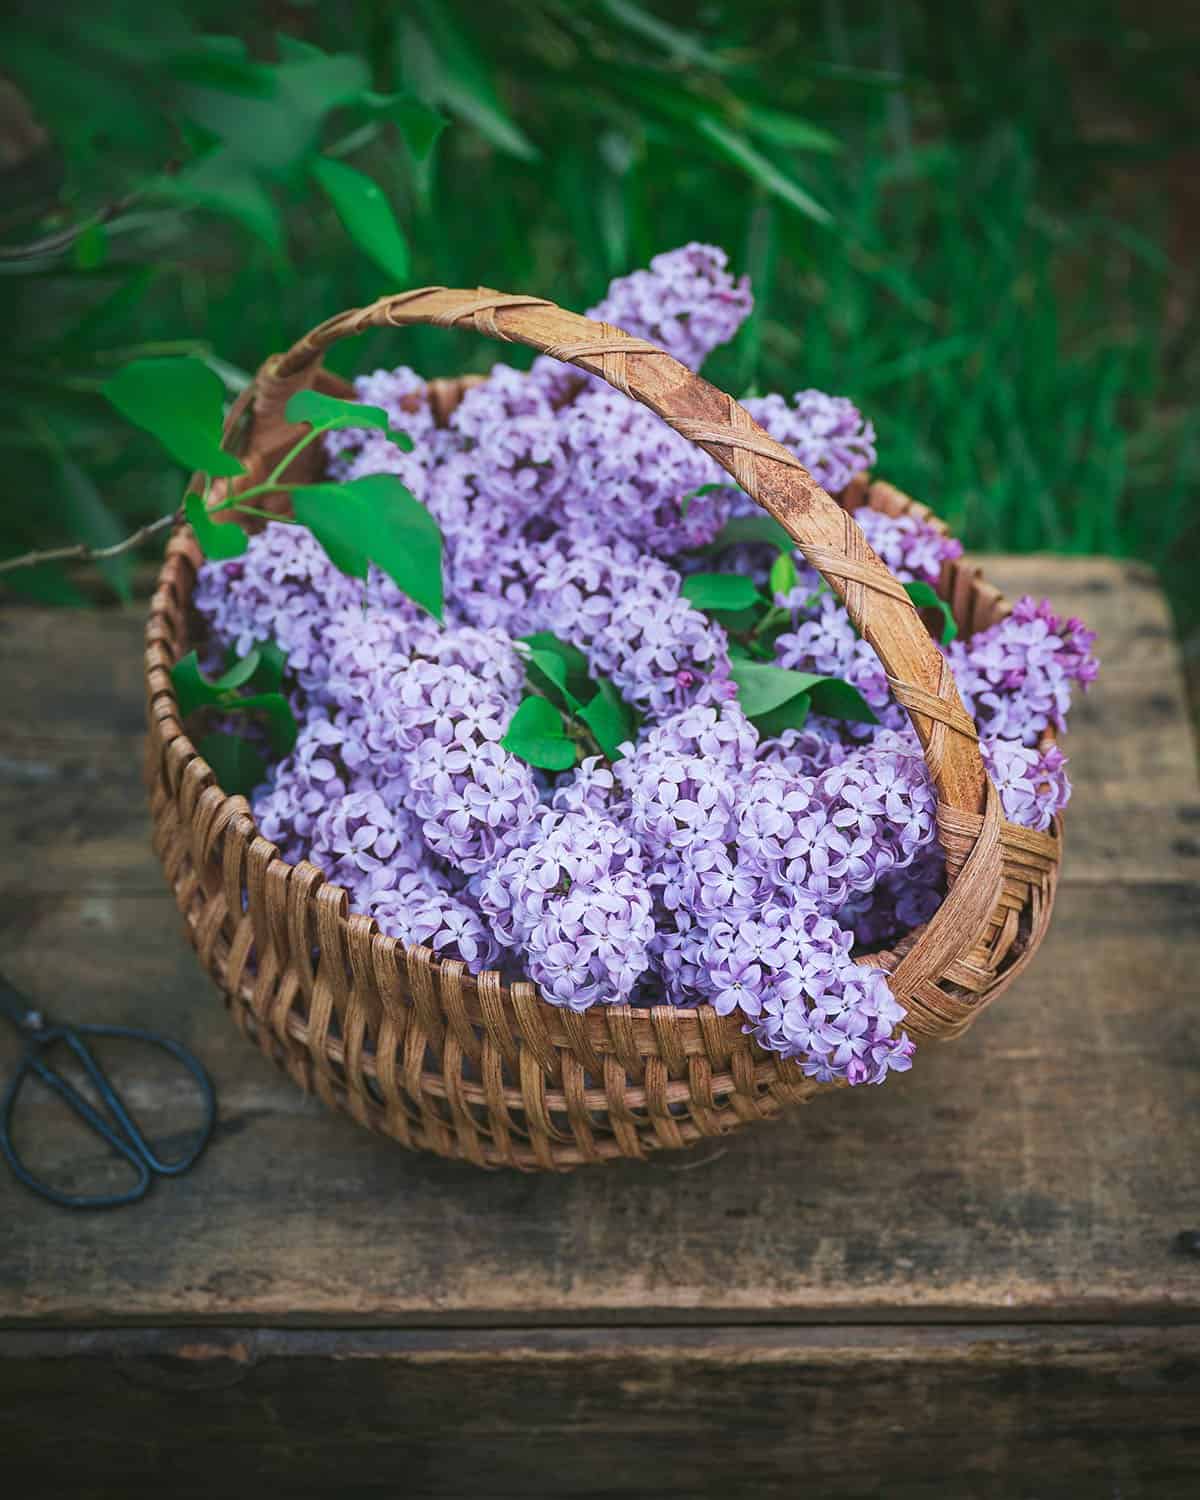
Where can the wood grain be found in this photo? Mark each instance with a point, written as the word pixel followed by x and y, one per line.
pixel 913 1414
pixel 1040 1168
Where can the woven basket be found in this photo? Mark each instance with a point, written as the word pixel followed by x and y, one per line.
pixel 483 1070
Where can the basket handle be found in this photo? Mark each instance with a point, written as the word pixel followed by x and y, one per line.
pixel 828 536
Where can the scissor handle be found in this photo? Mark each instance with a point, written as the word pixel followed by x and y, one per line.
pixel 122 1132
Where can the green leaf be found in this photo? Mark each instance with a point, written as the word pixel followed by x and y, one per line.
pixel 418 124
pixel 736 621
pixel 219 183
pixel 548 672
pixel 457 77
pixel 536 735
pixel 90 519
pixel 331 412
pixel 192 688
pixel 790 715
pixel 218 540
pixel 924 597
pixel 272 663
pixel 236 764
pixel 281 722
pixel 578 678
pixel 724 591
pixel 180 402
pixel 366 215
pixel 784 129
pixel 756 528
pixel 783 575
pixel 609 718
pixel 680 44
pixel 762 687
pixel 375 519
pixel 840 700
pixel 239 672
pixel 737 149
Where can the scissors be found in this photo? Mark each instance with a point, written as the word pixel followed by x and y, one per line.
pixel 119 1129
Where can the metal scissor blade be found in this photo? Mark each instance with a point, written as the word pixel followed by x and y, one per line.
pixel 19 1008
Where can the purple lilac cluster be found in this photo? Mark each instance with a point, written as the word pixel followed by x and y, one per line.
pixel 708 863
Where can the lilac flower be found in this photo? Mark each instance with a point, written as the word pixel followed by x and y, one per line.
pixel 687 303
pixel 1016 677
pixel 419 911
pixel 1032 783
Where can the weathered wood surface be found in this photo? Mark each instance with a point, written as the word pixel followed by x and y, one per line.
pixel 1065 1413
pixel 1041 1168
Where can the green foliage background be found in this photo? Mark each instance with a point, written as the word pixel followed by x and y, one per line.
pixel 969 218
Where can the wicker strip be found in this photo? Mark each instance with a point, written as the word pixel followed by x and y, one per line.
pixel 469 1066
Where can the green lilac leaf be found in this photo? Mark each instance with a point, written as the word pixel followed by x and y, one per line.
pixel 756 528
pixel 320 410
pixel 549 672
pixel 790 715
pixel 841 700
pixel 236 764
pixel 366 215
pixel 536 736
pixel 609 718
pixel 281 721
pixel 272 664
pixel 783 575
pixel 925 597
pixel 579 678
pixel 762 687
pixel 192 688
pixel 337 522
pixel 181 403
pixel 376 519
pixel 724 591
pixel 238 673
pixel 736 621
pixel 218 540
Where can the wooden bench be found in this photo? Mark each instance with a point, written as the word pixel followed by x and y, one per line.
pixel 977 1281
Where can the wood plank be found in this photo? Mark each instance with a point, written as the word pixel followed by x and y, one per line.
pixel 908 1413
pixel 1041 1168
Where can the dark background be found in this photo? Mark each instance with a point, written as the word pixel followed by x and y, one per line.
pixel 979 221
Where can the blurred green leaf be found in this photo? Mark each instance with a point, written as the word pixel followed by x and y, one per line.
pixel 235 762
pixel 366 215
pixel 924 597
pixel 737 149
pixel 458 78
pixel 178 401
pixel 758 527
pixel 222 184
pixel 783 575
pixel 782 129
pixel 90 520
pixel 418 124
pixel 679 44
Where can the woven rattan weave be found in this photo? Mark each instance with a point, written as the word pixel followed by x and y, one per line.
pixel 476 1068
